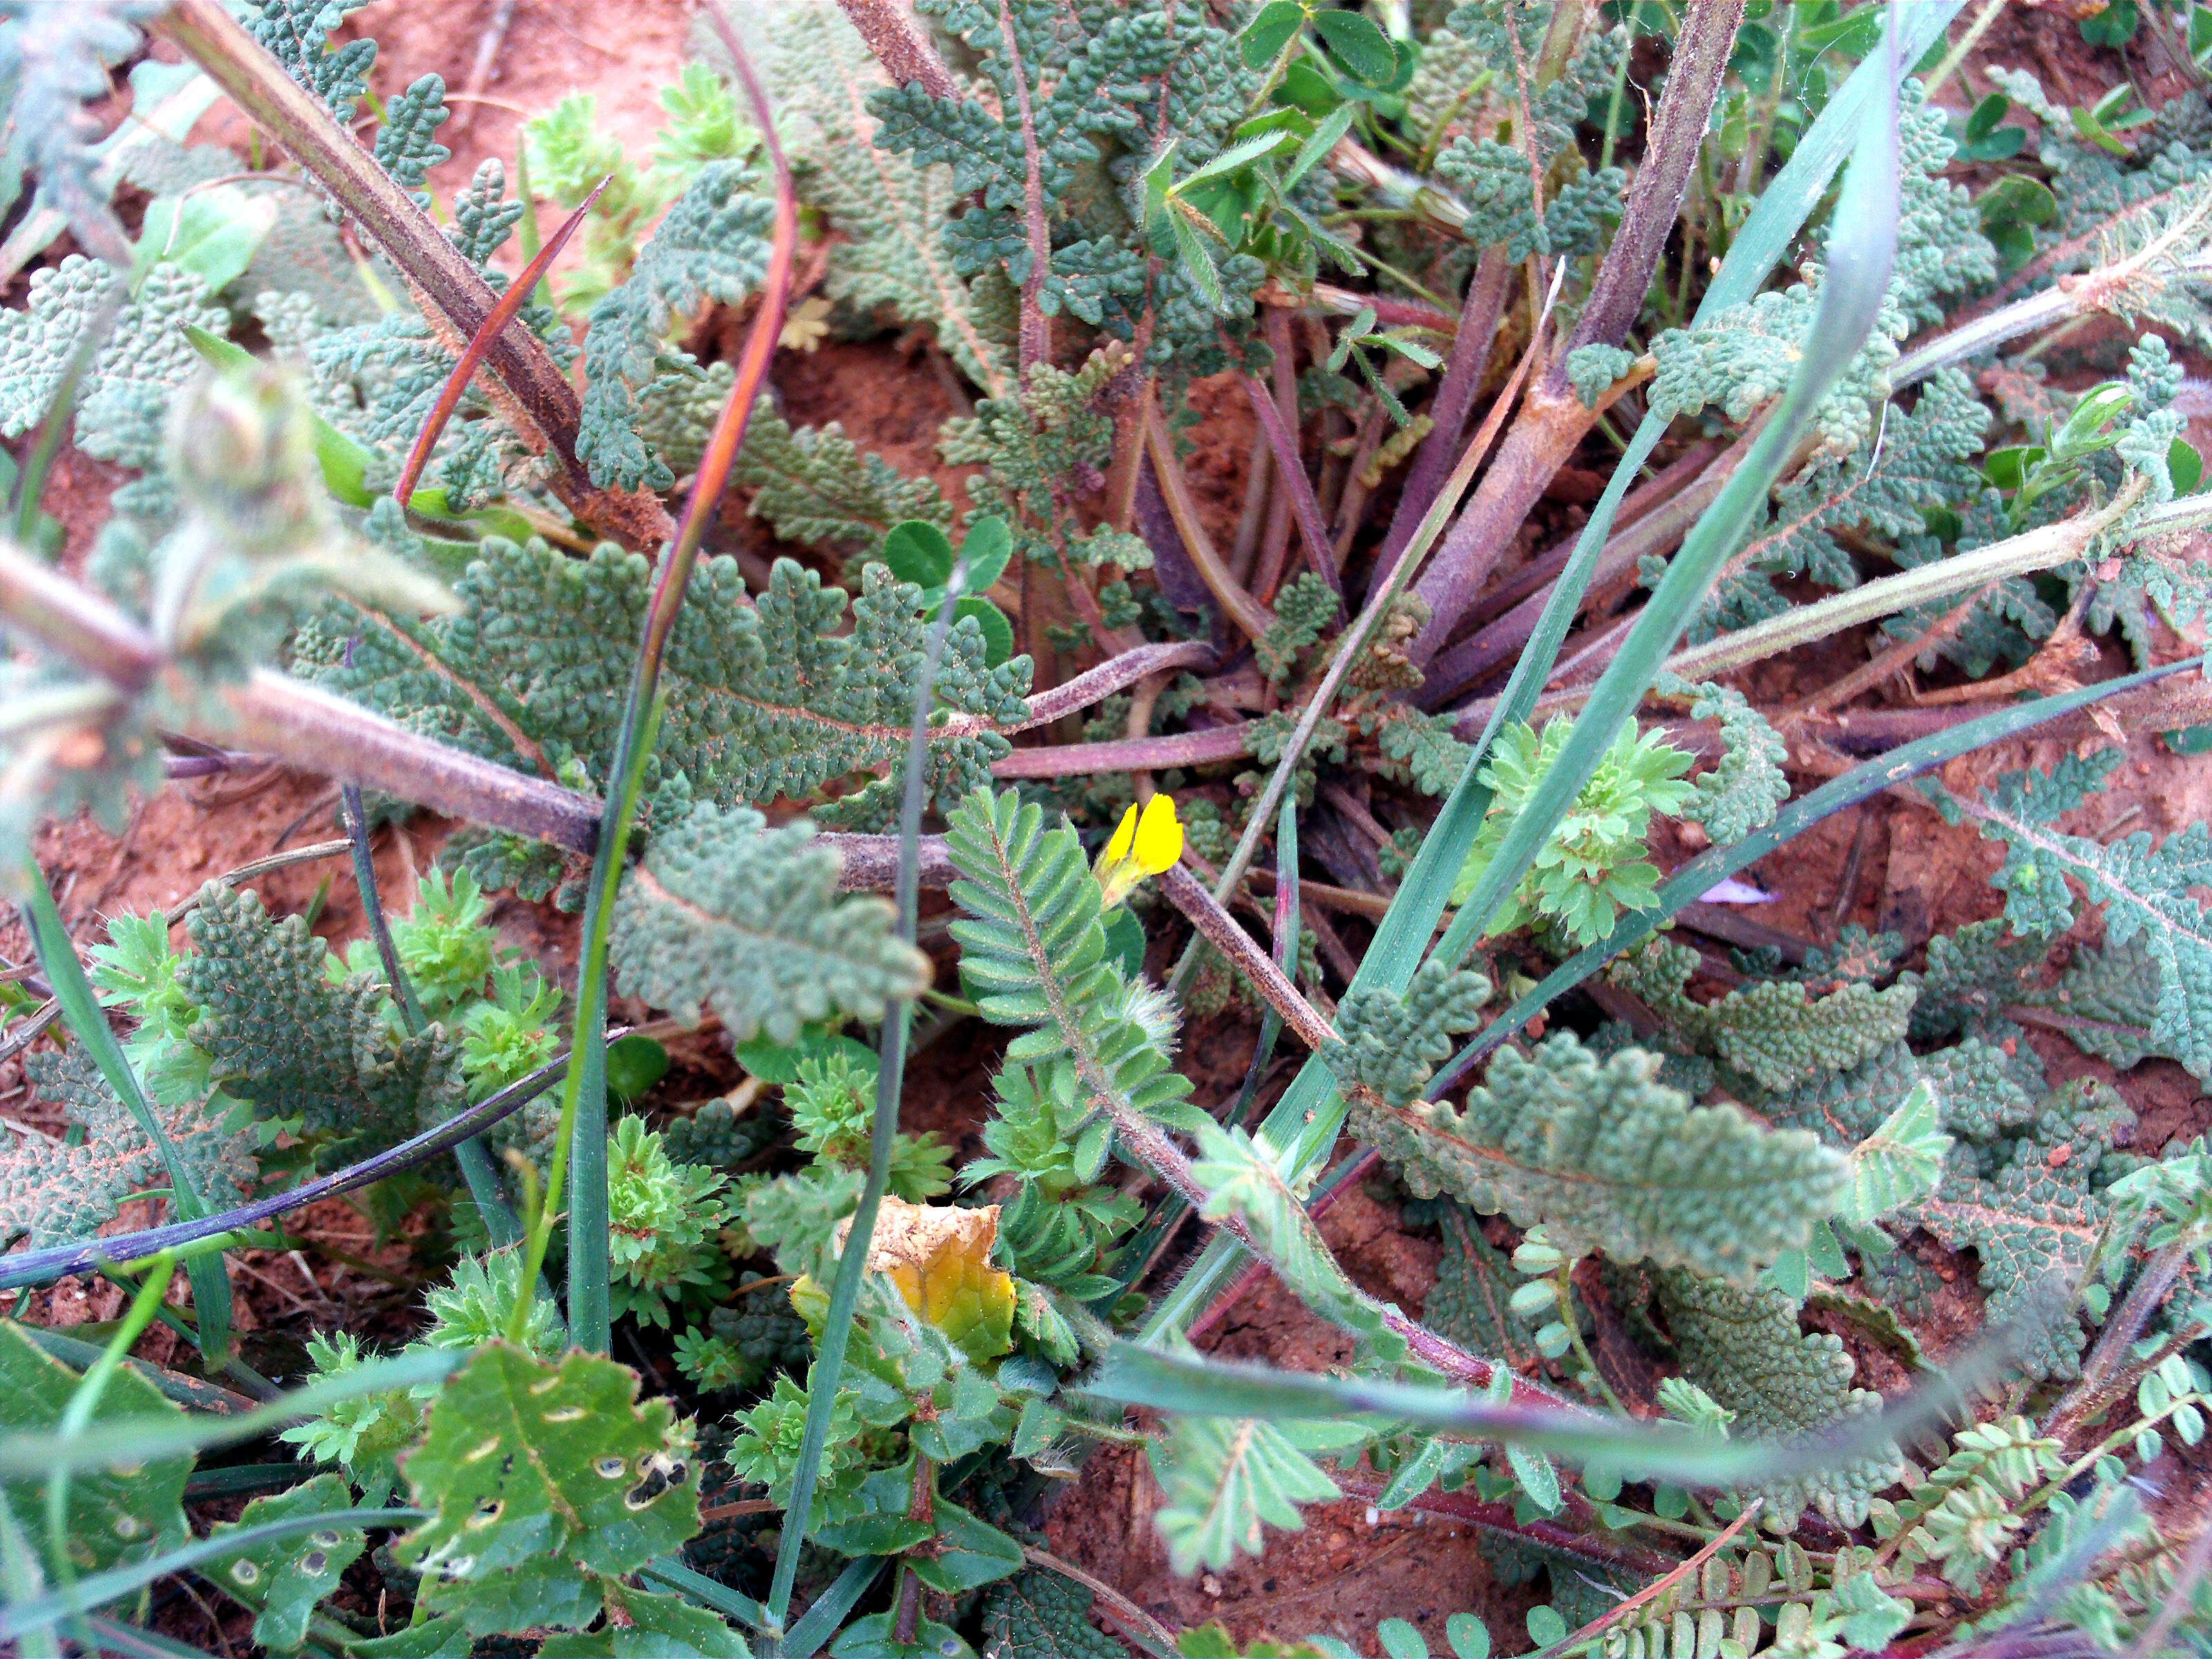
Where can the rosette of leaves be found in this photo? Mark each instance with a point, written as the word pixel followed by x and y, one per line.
pixel 1592 867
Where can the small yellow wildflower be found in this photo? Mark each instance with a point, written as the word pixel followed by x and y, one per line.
pixel 1145 845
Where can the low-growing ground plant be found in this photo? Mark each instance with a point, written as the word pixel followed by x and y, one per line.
pixel 1848 340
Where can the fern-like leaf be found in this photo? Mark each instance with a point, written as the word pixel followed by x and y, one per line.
pixel 277 1032
pixel 893 211
pixel 712 245
pixel 1391 1044
pixel 1224 1479
pixel 1744 1349
pixel 53 1191
pixel 1033 946
pixel 727 913
pixel 1605 1157
pixel 764 699
pixel 1777 1034
pixel 815 485
pixel 2145 888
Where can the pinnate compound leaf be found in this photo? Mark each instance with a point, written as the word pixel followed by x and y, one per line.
pixel 1033 951
pixel 1607 1157
pixel 1224 1478
pixel 1241 1179
pixel 116 1517
pixel 547 1481
pixel 283 1579
pixel 725 912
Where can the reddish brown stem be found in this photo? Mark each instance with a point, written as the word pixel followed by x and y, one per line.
pixel 1498 1517
pixel 1275 542
pixel 299 123
pixel 1470 356
pixel 449 396
pixel 1035 328
pixel 1552 419
pixel 902 50
pixel 1069 760
pixel 1292 485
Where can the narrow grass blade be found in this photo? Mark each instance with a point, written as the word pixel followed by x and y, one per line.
pixel 671 1574
pixel 819 1622
pixel 891 1075
pixel 42 1611
pixel 1307 1119
pixel 81 1008
pixel 583 1132
pixel 1716 865
pixel 35 1456
pixel 518 294
pixel 1861 248
pixel 1196 1385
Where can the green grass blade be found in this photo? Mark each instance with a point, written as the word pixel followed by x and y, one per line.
pixel 1196 1385
pixel 671 1574
pixel 34 1456
pixel 891 1078
pixel 1306 1120
pixel 1861 249
pixel 1716 865
pixel 42 1611
pixel 210 1283
pixel 819 1622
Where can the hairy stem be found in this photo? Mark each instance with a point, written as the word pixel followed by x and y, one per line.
pixel 297 120
pixel 904 51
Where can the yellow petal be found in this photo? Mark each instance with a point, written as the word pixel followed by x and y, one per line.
pixel 1159 836
pixel 1125 836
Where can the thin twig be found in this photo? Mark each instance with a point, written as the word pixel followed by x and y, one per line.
pixel 1247 612
pixel 1035 341
pixel 904 50
pixel 1297 488
pixel 1105 1592
pixel 1215 743
pixel 1621 1610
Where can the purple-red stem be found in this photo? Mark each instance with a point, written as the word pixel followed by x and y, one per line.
pixel 449 396
pixel 1295 487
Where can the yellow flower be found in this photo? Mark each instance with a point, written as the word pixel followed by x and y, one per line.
pixel 1144 845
